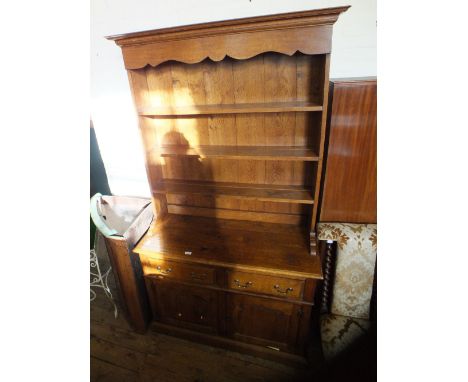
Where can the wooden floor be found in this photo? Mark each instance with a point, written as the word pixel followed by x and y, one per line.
pixel 120 354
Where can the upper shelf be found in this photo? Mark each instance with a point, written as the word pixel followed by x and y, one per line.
pixel 241 108
pixel 241 152
pixel 260 192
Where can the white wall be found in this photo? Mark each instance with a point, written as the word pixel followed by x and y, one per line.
pixel 353 55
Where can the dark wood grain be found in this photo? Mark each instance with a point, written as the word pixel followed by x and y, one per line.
pixel 259 321
pixel 130 282
pixel 246 292
pixel 328 276
pixel 185 306
pixel 273 285
pixel 350 186
pixel 245 348
pixel 262 247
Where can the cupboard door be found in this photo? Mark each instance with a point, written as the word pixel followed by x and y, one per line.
pixel 262 321
pixel 184 306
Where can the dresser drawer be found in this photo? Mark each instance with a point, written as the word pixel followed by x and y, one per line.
pixel 178 271
pixel 272 285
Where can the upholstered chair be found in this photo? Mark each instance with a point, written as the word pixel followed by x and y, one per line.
pixel 348 284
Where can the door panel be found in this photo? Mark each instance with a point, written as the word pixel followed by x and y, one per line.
pixel 262 321
pixel 185 306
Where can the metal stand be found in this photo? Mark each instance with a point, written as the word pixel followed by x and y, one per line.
pixel 99 280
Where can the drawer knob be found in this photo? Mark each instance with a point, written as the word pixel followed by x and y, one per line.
pixel 164 272
pixel 246 285
pixel 284 291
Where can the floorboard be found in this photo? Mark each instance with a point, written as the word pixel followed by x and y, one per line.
pixel 102 371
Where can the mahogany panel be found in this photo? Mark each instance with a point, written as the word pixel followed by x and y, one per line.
pixel 350 186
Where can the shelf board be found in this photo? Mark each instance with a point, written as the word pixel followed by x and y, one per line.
pixel 271 107
pixel 265 247
pixel 261 192
pixel 241 152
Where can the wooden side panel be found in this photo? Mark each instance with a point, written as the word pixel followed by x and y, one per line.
pixel 350 186
pixel 130 283
pixel 323 123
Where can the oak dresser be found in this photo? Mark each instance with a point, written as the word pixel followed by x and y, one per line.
pixel 233 117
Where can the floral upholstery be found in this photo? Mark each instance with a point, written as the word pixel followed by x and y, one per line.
pixel 352 289
pixel 355 262
pixel 338 332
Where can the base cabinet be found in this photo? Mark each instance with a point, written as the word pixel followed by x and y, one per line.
pixel 256 320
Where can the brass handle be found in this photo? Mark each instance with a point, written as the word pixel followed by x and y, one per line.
pixel 285 291
pixel 200 276
pixel 246 285
pixel 168 270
